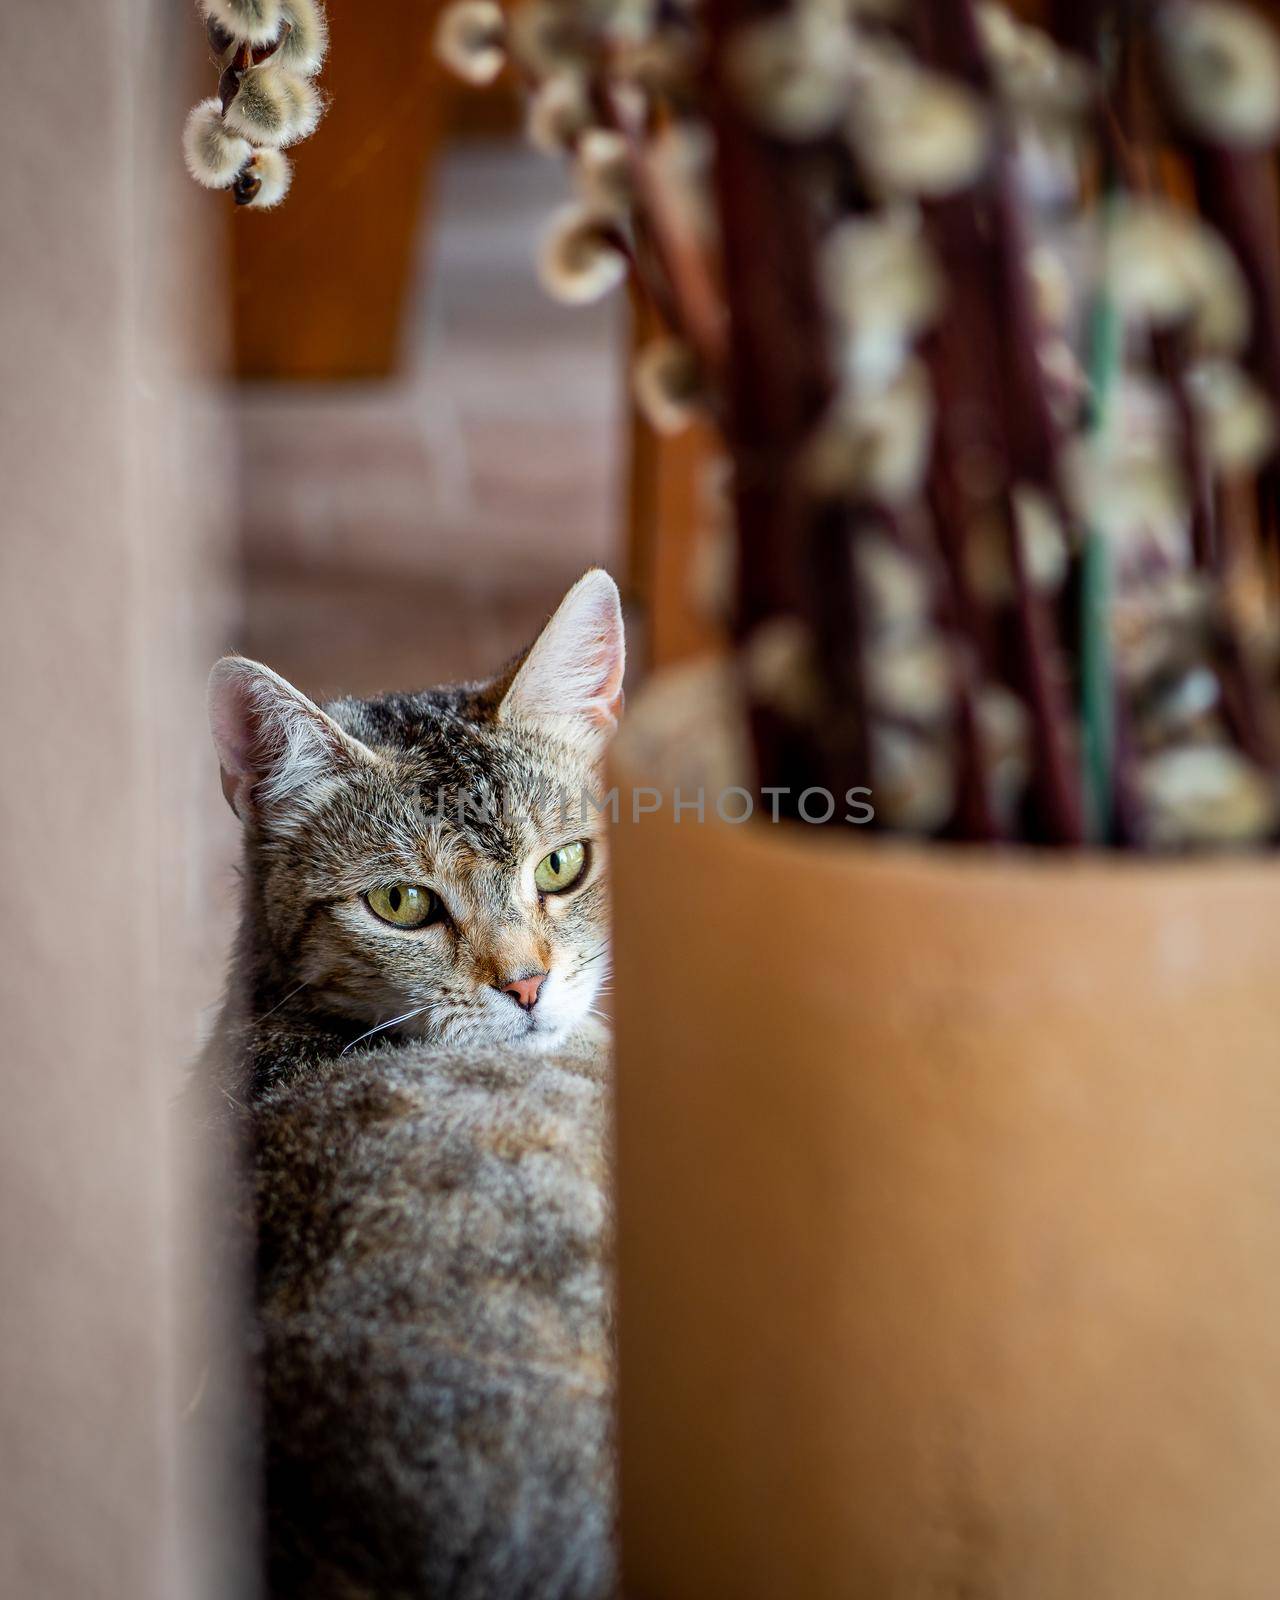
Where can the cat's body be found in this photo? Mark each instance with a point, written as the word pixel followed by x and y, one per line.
pixel 433 1297
pixel 431 1215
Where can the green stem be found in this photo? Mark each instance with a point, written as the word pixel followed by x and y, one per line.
pixel 1097 689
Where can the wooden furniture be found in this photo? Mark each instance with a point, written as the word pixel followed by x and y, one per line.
pixel 319 285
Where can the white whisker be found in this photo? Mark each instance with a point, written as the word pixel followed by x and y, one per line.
pixel 383 1026
pixel 285 1001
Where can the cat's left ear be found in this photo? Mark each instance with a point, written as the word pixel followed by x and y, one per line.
pixel 571 680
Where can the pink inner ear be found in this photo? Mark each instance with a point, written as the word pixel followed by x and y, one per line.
pixel 233 722
pixel 605 706
pixel 235 788
pixel 574 671
pixel 605 710
pixel 233 725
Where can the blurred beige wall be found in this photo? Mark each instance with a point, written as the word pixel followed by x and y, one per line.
pixel 115 488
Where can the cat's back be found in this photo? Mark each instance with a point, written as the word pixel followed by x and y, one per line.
pixel 433 1289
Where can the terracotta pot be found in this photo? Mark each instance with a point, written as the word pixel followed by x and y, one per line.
pixel 949 1211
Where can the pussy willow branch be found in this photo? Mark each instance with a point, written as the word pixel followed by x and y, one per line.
pixel 1236 189
pixel 971 630
pixel 1246 221
pixel 993 355
pixel 1227 183
pixel 688 289
pixel 795 556
pixel 1172 359
pixel 1129 135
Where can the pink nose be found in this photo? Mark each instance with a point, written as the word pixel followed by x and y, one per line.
pixel 524 991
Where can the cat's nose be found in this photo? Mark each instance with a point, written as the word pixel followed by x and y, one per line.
pixel 524 991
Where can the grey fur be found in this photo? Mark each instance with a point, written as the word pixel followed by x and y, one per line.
pixel 431 1215
pixel 434 1313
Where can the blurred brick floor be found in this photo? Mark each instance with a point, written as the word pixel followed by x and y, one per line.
pixel 418 530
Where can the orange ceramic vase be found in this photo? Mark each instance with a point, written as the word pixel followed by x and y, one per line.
pixel 949 1220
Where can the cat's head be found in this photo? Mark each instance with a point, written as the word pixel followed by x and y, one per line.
pixel 428 856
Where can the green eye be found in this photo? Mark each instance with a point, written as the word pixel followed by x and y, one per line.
pixel 403 905
pixel 561 869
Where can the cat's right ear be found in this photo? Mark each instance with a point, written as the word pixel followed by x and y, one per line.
pixel 570 681
pixel 271 740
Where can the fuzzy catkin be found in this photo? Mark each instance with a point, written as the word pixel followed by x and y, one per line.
pixel 471 40
pixel 306 44
pixel 256 22
pixel 580 259
pixel 273 107
pixel 265 180
pixel 214 154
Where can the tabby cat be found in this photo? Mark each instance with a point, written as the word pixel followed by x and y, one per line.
pixel 410 1053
